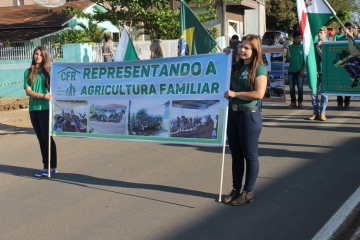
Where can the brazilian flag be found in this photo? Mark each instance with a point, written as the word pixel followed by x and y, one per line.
pixel 194 38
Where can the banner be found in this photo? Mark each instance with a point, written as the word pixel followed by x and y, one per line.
pixel 340 71
pixel 178 100
pixel 273 58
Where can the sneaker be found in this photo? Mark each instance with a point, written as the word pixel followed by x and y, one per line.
pixel 46 172
pixel 292 105
pixel 339 106
pixel 39 173
pixel 300 105
pixel 347 106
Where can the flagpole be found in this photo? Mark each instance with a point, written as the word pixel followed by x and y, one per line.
pixel 49 136
pixel 342 25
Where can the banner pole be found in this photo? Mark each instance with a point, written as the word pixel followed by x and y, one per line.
pixel 49 124
pixel 223 154
pixel 49 139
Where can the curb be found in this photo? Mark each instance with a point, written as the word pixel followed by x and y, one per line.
pixel 341 223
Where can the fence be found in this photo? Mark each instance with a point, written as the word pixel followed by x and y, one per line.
pixel 142 49
pixel 25 52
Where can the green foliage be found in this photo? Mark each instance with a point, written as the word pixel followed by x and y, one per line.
pixel 93 31
pixel 281 14
pixel 73 36
pixel 343 10
pixel 162 22
pixel 141 113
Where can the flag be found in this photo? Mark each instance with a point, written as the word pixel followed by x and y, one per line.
pixel 194 38
pixel 312 15
pixel 125 50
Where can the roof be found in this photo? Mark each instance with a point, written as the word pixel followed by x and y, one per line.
pixel 32 21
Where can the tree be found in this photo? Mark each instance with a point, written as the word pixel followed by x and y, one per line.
pixel 343 10
pixel 153 17
pixel 160 24
pixel 93 31
pixel 281 15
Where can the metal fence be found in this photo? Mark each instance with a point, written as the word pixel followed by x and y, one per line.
pixel 26 52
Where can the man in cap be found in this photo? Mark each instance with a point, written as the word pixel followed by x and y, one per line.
pixel 319 106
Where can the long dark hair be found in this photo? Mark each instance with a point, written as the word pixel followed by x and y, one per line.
pixel 234 46
pixel 44 66
pixel 256 59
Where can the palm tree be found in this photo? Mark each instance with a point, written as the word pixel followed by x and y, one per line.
pixel 93 32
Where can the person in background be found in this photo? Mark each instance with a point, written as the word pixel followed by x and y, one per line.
pixel 156 48
pixel 244 121
pixel 234 38
pixel 352 63
pixel 295 57
pixel 356 33
pixel 344 102
pixel 319 106
pixel 37 86
pixel 340 34
pixel 106 50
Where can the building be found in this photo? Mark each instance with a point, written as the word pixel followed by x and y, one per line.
pixel 37 25
pixel 240 18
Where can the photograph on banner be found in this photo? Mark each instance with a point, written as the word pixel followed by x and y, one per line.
pixel 168 100
pixel 148 118
pixel 107 117
pixel 340 70
pixel 273 57
pixel 195 119
pixel 70 116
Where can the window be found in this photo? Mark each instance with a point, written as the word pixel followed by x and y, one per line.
pixel 20 2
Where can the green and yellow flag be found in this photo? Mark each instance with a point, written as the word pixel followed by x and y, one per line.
pixel 194 38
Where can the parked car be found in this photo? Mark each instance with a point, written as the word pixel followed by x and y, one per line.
pixel 331 31
pixel 274 37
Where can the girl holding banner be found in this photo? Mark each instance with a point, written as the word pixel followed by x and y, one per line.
pixel 245 122
pixel 37 85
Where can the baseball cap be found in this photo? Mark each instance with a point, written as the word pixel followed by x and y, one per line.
pixel 324 29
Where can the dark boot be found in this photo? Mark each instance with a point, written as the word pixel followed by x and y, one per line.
pixel 234 194
pixel 244 198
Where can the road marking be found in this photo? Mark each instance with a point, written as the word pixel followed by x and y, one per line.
pixel 339 217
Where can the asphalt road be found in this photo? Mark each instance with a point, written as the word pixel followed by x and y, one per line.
pixel 108 189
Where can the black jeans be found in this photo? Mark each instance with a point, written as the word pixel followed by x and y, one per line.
pixel 243 132
pixel 340 100
pixel 40 121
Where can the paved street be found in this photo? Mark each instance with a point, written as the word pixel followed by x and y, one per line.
pixel 108 189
